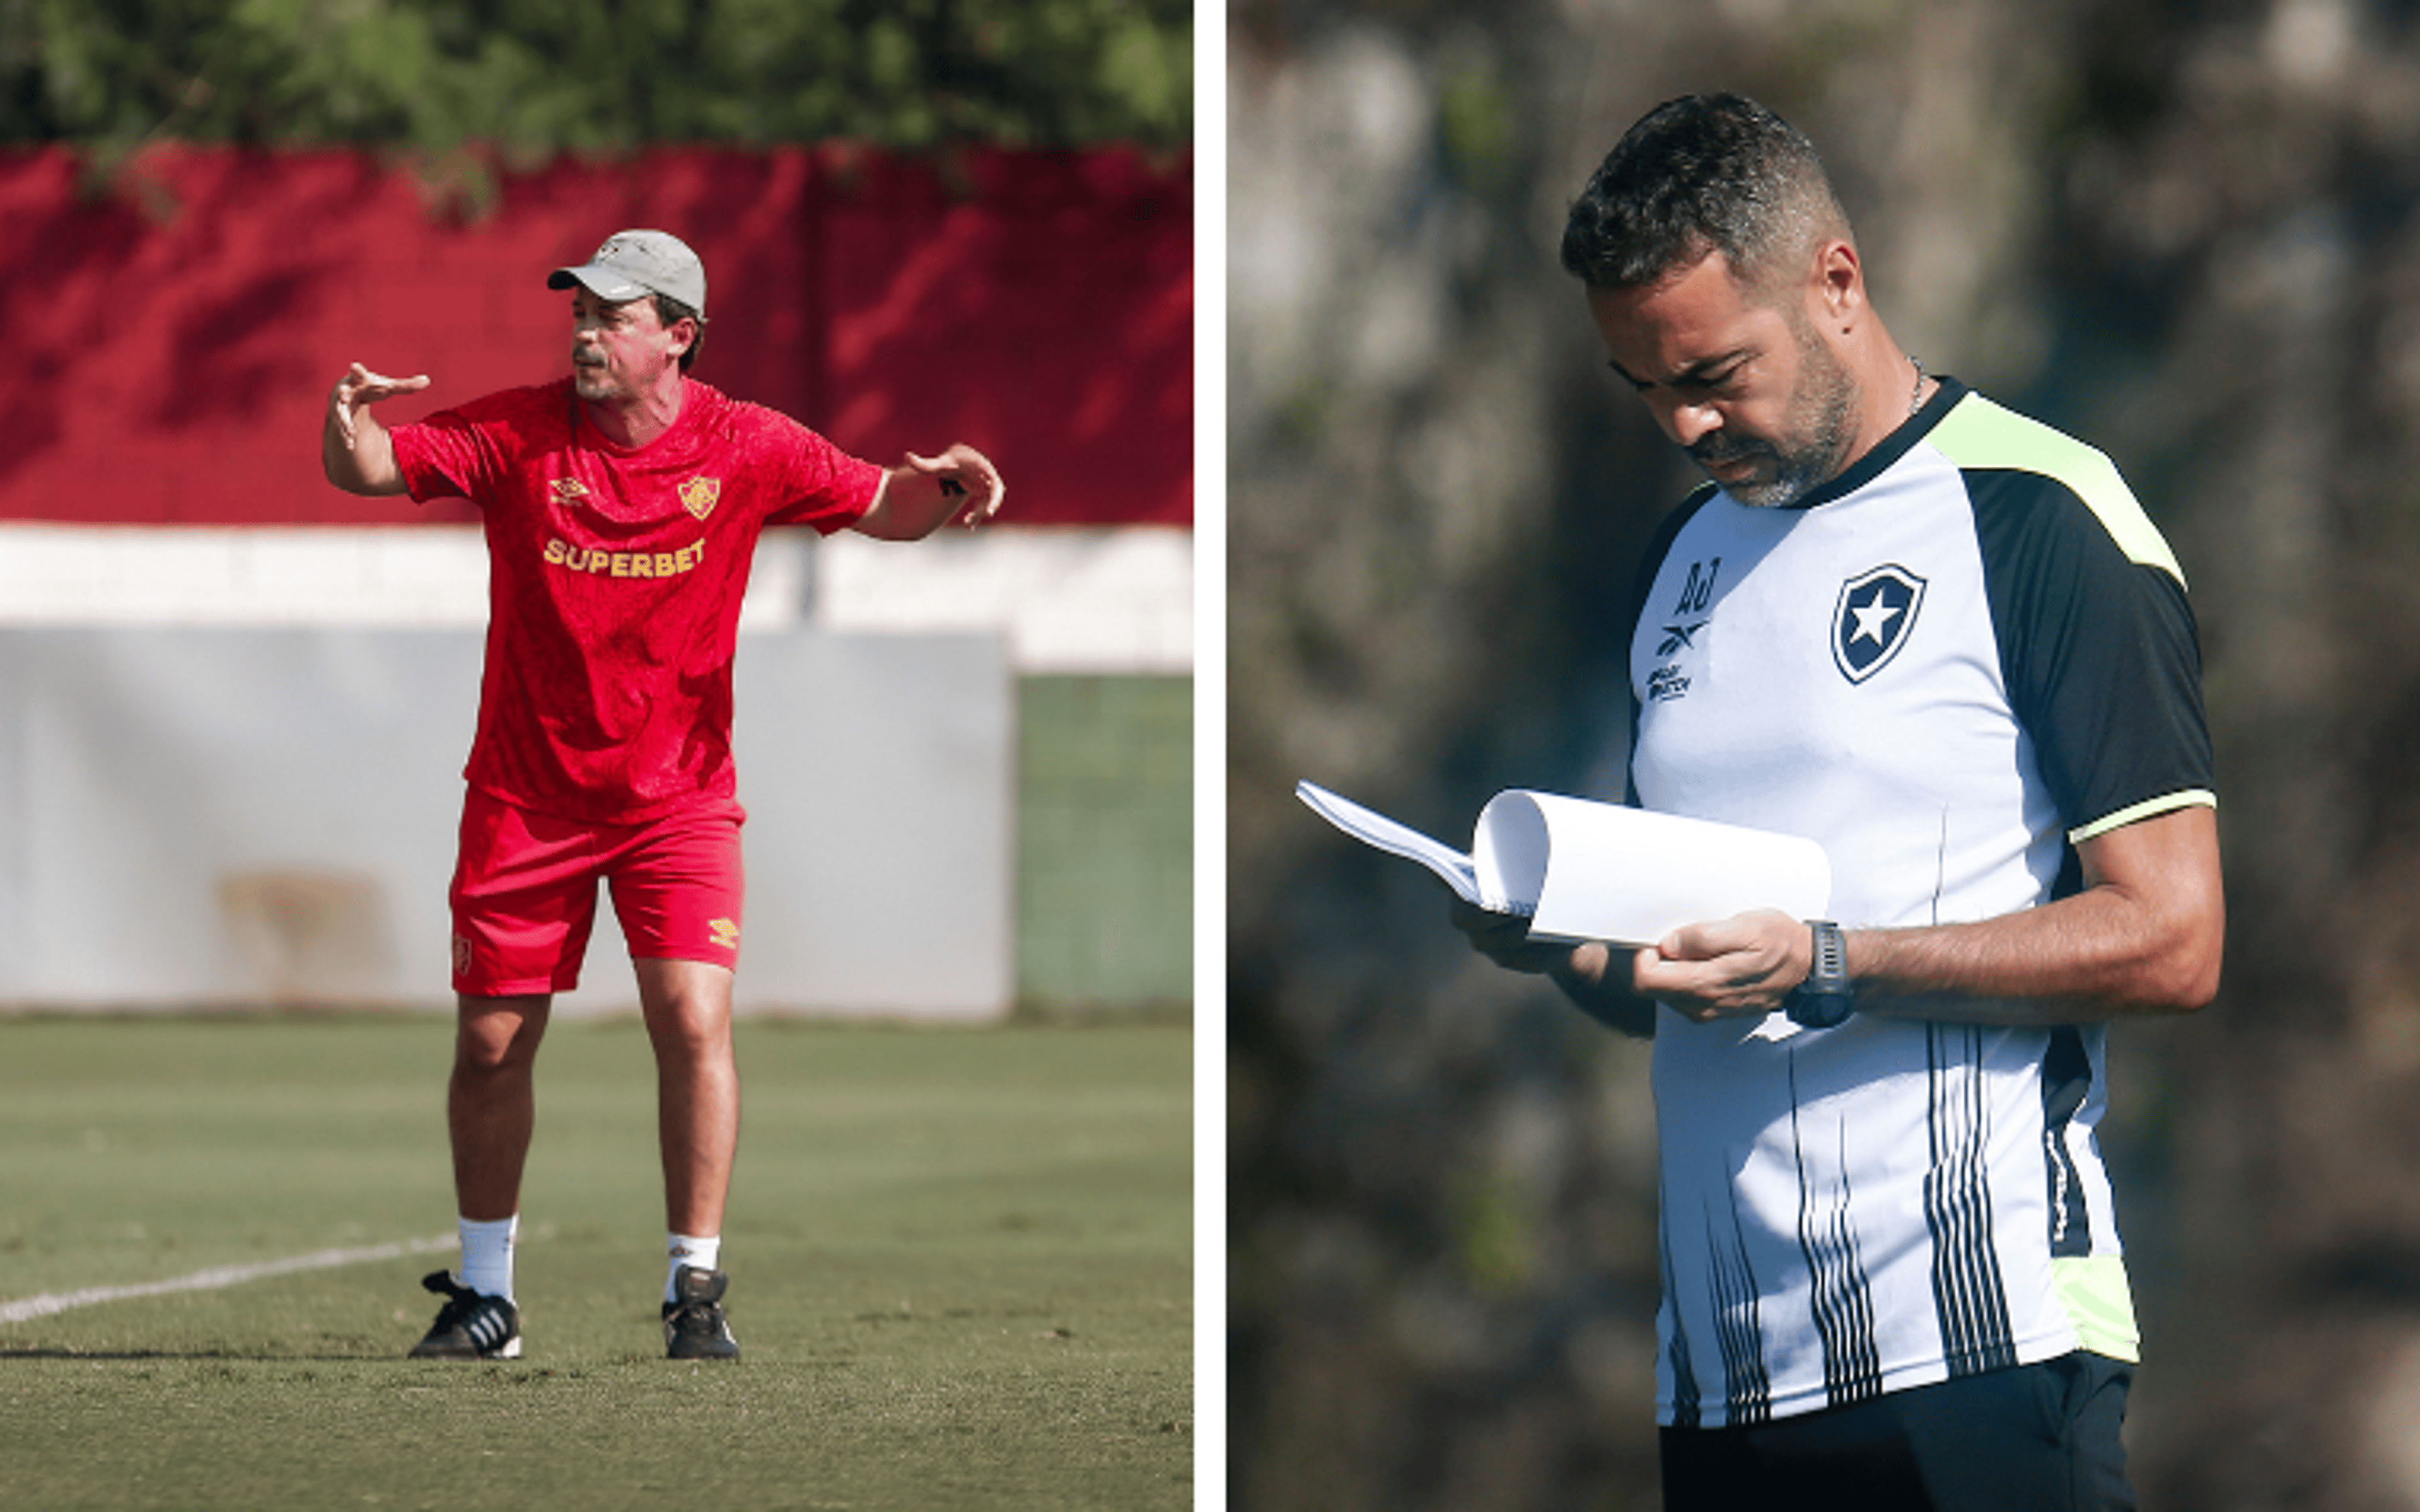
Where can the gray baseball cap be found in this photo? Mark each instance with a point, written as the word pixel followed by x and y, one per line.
pixel 632 263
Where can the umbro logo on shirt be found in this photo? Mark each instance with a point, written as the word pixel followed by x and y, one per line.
pixel 1872 618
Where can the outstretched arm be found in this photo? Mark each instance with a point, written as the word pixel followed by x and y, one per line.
pixel 924 493
pixel 355 450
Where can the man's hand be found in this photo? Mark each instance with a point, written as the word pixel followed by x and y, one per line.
pixel 360 387
pixel 1504 938
pixel 1592 974
pixel 1738 966
pixel 355 450
pixel 964 472
pixel 924 493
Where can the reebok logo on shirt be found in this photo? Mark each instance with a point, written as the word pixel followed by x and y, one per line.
pixel 1692 613
pixel 1679 638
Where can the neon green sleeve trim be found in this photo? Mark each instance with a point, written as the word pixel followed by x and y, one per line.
pixel 2147 809
pixel 1980 434
pixel 2100 1304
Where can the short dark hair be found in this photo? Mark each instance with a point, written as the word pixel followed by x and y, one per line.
pixel 669 312
pixel 1699 175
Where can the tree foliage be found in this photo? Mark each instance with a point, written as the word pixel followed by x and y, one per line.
pixel 2189 233
pixel 536 76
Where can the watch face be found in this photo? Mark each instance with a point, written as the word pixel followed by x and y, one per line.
pixel 1820 1010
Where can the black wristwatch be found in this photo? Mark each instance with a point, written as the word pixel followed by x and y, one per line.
pixel 1824 998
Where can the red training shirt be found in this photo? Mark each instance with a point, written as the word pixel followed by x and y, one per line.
pixel 614 580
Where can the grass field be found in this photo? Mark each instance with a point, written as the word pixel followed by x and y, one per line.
pixel 961 1269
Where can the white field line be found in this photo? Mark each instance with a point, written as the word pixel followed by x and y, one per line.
pixel 216 1278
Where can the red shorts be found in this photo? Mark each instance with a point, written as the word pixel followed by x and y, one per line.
pixel 524 893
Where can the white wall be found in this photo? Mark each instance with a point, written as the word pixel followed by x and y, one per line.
pixel 223 816
pixel 1067 599
pixel 230 757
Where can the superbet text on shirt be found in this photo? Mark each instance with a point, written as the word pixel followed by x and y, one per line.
pixel 617 579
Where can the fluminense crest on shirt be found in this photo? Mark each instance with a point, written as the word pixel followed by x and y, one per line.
pixel 1875 614
pixel 698 495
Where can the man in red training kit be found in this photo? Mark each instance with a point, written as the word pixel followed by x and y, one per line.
pixel 622 505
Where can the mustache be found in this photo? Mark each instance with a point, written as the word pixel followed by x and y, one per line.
pixel 1719 448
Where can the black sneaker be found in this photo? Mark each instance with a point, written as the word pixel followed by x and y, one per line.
pixel 694 1327
pixel 471 1325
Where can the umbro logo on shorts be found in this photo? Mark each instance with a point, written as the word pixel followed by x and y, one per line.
pixel 1875 614
pixel 725 932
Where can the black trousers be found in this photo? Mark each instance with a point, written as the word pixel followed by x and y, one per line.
pixel 2038 1438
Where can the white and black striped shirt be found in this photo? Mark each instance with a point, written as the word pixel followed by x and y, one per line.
pixel 1966 654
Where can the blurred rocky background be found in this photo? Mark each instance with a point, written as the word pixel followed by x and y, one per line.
pixel 2183 231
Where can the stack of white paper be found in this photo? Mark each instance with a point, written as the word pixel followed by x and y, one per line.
pixel 1585 870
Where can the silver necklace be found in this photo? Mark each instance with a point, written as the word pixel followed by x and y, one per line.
pixel 1916 395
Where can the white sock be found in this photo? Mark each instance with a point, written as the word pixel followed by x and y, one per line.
pixel 487 1256
pixel 687 1249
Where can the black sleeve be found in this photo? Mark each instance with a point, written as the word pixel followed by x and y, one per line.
pixel 2100 652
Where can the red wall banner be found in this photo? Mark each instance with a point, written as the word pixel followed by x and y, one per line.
pixel 175 325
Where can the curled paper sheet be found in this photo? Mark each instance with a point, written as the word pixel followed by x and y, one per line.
pixel 1586 871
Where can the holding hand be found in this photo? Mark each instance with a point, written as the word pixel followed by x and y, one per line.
pixel 1504 938
pixel 1592 974
pixel 1742 965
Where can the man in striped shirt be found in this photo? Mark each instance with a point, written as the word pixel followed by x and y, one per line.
pixel 1944 640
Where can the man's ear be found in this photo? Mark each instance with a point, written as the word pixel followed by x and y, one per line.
pixel 1836 284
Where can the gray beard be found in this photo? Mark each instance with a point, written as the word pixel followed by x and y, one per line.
pixel 1797 474
pixel 1824 423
